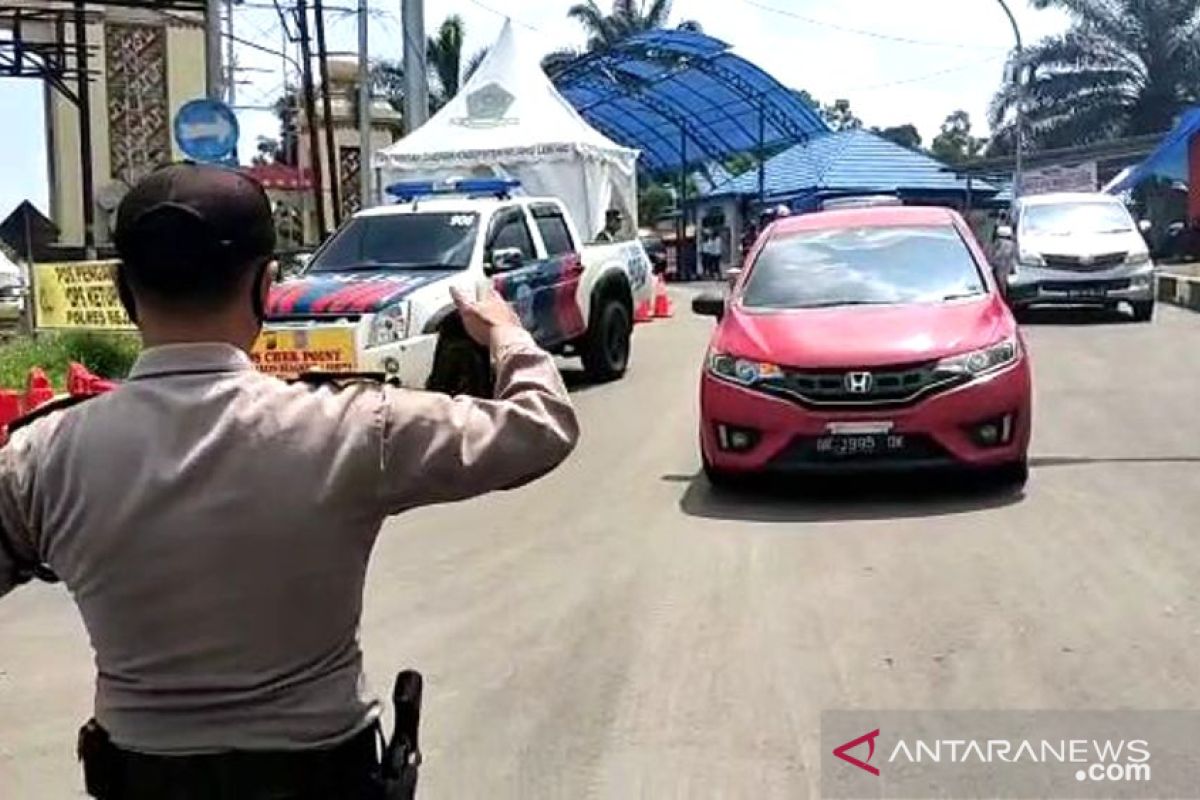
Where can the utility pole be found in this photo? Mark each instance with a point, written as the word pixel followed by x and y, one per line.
pixel 1019 76
pixel 364 111
pixel 416 79
pixel 86 179
pixel 230 62
pixel 335 190
pixel 212 49
pixel 310 117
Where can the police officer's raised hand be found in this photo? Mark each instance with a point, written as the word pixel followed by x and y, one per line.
pixel 485 316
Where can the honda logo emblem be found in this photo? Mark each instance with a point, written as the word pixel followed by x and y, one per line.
pixel 859 382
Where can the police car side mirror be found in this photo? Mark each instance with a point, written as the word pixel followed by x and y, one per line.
pixel 504 259
pixel 1004 232
pixel 709 304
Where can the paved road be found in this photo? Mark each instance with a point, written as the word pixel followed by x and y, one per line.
pixel 616 631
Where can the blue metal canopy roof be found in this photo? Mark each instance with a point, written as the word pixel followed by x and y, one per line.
pixel 682 98
pixel 1170 160
pixel 849 162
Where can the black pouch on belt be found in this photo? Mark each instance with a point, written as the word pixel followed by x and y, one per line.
pixel 99 757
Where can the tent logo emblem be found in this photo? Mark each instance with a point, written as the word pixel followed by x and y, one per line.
pixel 486 107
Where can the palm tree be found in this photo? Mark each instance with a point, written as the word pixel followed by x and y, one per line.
pixel 444 52
pixel 628 17
pixel 1124 67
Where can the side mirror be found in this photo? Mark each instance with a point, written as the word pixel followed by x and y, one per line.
pixel 1145 225
pixel 1004 232
pixel 732 274
pixel 506 258
pixel 709 304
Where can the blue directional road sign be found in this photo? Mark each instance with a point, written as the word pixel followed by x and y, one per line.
pixel 206 130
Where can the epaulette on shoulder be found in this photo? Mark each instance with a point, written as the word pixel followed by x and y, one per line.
pixel 46 409
pixel 340 380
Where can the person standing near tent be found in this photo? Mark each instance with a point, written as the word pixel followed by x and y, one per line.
pixel 710 254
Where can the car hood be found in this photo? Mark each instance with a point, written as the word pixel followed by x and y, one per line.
pixel 346 292
pixel 864 336
pixel 1084 244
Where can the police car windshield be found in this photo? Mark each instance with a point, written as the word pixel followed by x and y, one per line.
pixel 434 240
pixel 863 266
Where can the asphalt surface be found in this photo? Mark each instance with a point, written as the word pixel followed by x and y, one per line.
pixel 618 631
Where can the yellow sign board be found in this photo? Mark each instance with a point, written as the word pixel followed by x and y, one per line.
pixel 78 295
pixel 286 353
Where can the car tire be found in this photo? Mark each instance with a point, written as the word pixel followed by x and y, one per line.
pixel 460 367
pixel 1013 475
pixel 1143 311
pixel 605 347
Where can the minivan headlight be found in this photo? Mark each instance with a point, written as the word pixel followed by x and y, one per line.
pixel 1138 258
pixel 389 325
pixel 742 370
pixel 982 361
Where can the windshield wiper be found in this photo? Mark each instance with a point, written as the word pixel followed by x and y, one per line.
pixel 960 295
pixel 836 303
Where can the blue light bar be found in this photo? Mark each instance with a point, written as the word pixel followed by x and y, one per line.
pixel 405 191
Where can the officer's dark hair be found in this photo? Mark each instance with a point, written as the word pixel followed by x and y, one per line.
pixel 188 235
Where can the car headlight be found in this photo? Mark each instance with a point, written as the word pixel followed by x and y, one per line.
pixel 981 362
pixel 1028 258
pixel 389 325
pixel 742 370
pixel 1143 281
pixel 1138 259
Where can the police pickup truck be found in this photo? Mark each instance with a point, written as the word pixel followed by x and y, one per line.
pixel 376 295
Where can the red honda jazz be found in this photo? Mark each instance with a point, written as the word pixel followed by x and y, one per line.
pixel 868 339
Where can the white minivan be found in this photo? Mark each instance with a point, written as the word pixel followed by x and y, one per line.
pixel 1076 249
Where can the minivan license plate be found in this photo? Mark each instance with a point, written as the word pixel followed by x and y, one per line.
pixel 865 445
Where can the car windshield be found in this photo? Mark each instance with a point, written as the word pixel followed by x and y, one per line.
pixel 1063 219
pixel 401 241
pixel 863 266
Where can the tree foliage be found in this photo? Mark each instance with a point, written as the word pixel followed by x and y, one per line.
pixel 903 135
pixel 955 144
pixel 1124 67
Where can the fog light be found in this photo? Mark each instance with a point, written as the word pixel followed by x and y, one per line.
pixel 736 440
pixel 391 366
pixel 993 432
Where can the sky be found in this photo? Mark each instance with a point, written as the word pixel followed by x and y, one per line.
pixel 897 61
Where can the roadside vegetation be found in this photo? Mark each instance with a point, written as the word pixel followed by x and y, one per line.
pixel 109 355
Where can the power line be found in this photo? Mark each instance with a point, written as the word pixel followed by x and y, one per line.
pixel 506 15
pixel 863 32
pixel 927 76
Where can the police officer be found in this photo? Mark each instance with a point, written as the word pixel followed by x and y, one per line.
pixel 213 524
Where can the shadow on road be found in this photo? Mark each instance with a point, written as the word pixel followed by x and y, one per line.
pixel 844 498
pixel 1074 316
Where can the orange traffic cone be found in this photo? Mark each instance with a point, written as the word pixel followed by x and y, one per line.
pixel 38 389
pixel 10 407
pixel 662 300
pixel 81 382
pixel 644 312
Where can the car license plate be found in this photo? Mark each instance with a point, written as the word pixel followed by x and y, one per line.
pixel 1086 292
pixel 289 352
pixel 861 445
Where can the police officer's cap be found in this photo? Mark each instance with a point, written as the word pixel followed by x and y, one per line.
pixel 192 209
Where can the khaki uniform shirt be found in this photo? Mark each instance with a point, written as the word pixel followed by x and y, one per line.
pixel 214 524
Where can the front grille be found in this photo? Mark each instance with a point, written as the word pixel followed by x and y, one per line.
pixel 321 318
pixel 887 386
pixel 1085 263
pixel 1074 286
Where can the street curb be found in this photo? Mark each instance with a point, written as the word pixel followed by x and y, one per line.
pixel 1179 290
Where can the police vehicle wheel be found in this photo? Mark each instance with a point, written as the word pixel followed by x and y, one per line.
pixel 605 349
pixel 1143 312
pixel 460 368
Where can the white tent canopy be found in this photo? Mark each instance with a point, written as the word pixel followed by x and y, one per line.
pixel 510 122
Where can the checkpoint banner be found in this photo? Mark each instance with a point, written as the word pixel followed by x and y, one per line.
pixel 78 295
pixel 286 353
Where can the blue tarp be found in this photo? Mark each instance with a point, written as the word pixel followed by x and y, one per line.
pixel 849 163
pixel 683 99
pixel 1170 160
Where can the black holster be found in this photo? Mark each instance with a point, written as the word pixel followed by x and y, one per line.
pixel 99 757
pixel 402 755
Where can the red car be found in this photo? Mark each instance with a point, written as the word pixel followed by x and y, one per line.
pixel 867 339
